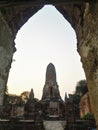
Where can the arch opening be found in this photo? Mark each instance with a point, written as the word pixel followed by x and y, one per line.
pixel 53 46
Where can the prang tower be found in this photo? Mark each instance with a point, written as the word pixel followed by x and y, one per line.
pixel 51 88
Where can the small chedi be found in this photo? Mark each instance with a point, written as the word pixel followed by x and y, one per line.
pixel 32 108
pixel 52 103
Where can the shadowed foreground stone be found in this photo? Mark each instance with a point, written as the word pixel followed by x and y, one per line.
pixel 54 125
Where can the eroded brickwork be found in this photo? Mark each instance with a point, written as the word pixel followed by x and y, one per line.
pixel 83 16
pixel 6 54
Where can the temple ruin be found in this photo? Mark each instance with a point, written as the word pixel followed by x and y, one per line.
pixel 83 17
pixel 53 105
pixel 50 112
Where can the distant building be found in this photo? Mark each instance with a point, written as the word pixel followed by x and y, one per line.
pixel 51 88
pixel 52 103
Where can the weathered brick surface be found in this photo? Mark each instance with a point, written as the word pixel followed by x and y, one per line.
pixel 83 17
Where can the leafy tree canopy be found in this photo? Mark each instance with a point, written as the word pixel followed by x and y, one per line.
pixel 81 88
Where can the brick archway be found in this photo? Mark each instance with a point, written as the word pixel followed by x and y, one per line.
pixel 82 16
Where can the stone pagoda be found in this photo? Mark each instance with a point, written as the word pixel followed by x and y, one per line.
pixel 51 89
pixel 53 105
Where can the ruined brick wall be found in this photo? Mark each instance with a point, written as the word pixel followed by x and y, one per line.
pixel 83 16
pixel 84 20
pixel 84 105
pixel 6 54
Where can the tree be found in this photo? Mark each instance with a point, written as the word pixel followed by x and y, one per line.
pixel 75 99
pixel 81 88
pixel 25 95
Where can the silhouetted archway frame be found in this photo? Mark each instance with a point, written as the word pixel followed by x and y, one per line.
pixel 81 14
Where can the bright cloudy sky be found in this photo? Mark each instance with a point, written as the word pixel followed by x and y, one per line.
pixel 46 37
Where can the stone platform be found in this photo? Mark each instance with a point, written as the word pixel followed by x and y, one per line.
pixel 54 125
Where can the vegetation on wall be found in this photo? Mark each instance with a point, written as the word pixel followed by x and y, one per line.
pixel 89 116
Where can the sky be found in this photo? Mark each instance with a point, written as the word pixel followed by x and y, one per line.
pixel 45 38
